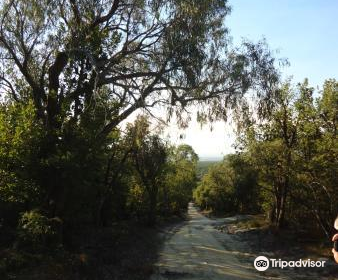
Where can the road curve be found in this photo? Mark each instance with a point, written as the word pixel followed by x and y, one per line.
pixel 199 251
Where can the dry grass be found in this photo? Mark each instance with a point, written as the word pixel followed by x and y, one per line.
pixel 264 237
pixel 253 221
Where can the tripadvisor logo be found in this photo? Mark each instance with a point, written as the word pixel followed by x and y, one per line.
pixel 262 263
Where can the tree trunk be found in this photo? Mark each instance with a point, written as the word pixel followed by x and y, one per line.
pixel 152 205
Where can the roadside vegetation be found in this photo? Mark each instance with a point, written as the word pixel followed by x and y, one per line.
pixel 75 179
pixel 86 178
pixel 286 166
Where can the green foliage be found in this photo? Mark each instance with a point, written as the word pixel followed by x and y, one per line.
pixel 35 230
pixel 245 183
pixel 203 166
pixel 215 191
pixel 180 179
pixel 149 155
pixel 287 167
pixel 230 186
pixel 295 152
pixel 20 140
pixel 163 177
pixel 68 57
pixel 72 72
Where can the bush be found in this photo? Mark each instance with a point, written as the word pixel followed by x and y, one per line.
pixel 229 187
pixel 37 231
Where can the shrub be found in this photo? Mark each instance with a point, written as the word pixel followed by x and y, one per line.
pixel 37 231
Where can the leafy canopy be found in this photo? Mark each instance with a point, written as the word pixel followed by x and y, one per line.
pixel 68 56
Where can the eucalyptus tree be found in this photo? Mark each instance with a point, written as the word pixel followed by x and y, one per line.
pixel 66 55
pixel 149 156
pixel 88 65
pixel 316 164
pixel 294 150
pixel 180 179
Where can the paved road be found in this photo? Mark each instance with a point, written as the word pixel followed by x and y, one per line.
pixel 199 251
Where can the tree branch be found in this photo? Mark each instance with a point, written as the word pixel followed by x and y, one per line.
pixel 108 16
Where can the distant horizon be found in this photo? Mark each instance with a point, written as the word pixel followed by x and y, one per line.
pixel 210 158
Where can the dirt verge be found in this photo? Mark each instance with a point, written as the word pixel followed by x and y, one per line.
pixel 262 240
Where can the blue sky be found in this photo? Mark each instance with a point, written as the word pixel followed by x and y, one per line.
pixel 304 32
